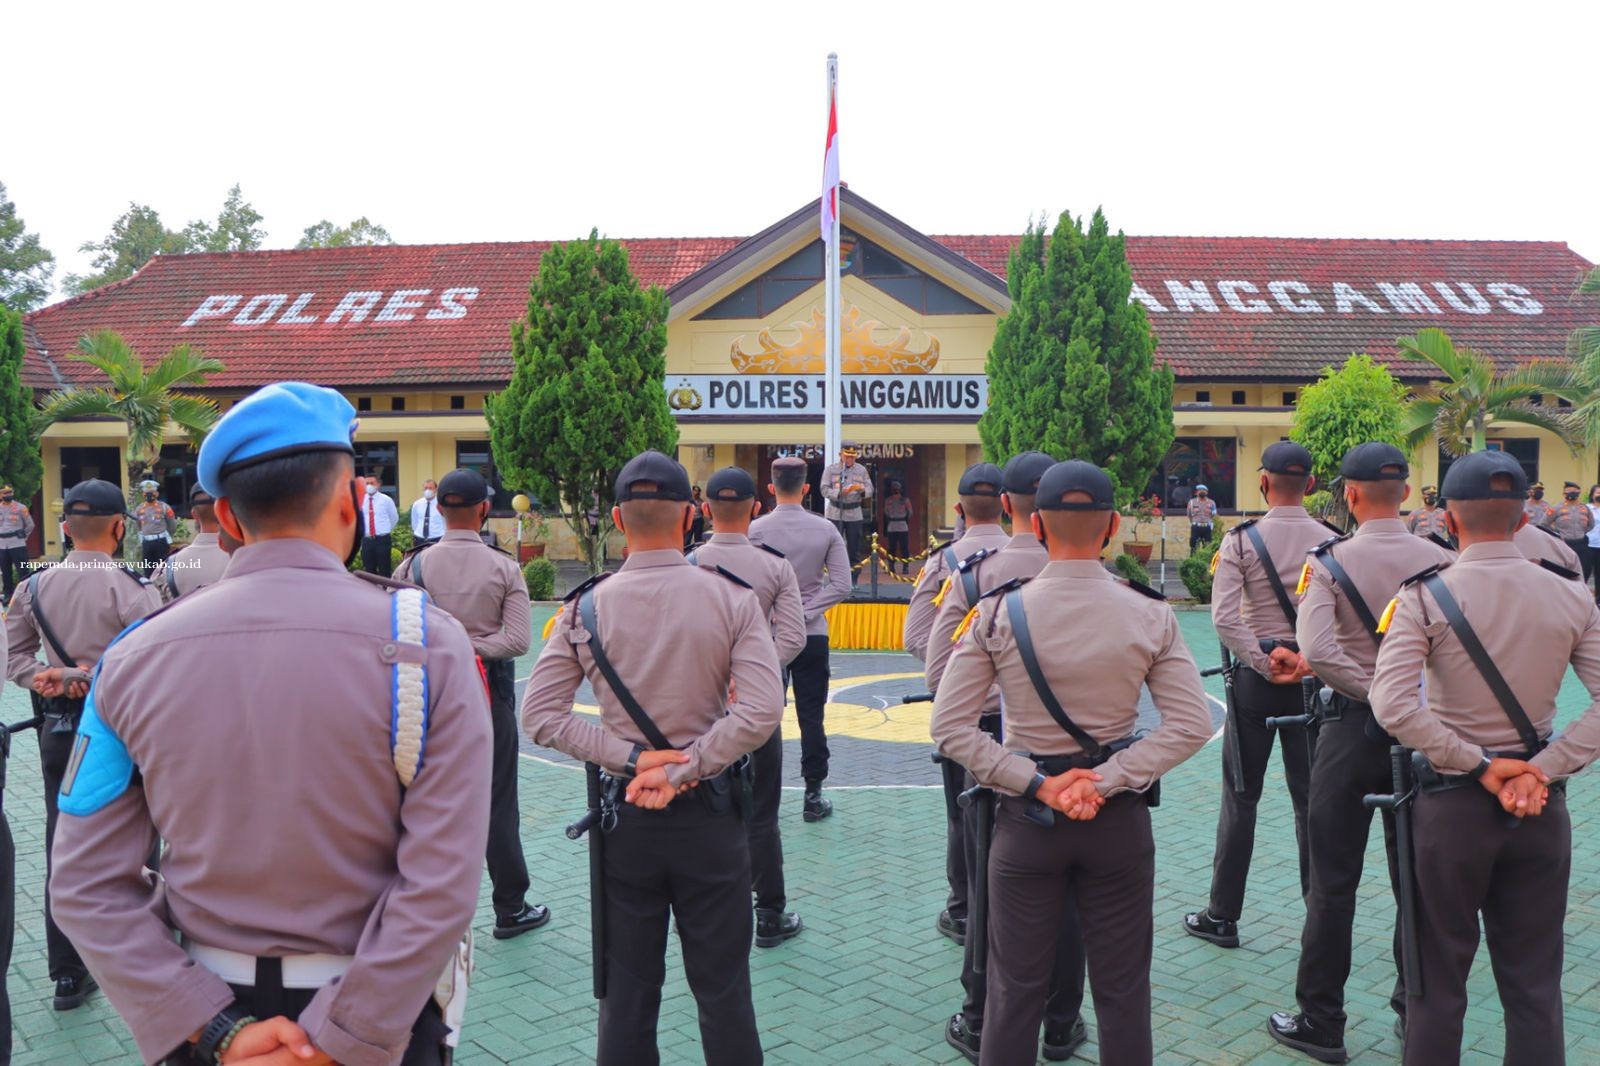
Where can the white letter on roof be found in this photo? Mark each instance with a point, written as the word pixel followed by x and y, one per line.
pixel 1280 291
pixel 1230 293
pixel 293 317
pixel 1516 299
pixel 355 304
pixel 212 307
pixel 1478 306
pixel 400 305
pixel 1345 297
pixel 1188 297
pixel 260 309
pixel 1408 298
pixel 453 303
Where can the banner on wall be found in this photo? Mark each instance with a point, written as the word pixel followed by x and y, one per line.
pixel 802 395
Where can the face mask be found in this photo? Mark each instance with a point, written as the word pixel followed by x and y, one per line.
pixel 1572 495
pixel 6 499
pixel 1430 500
pixel 149 495
pixel 372 490
pixel 427 494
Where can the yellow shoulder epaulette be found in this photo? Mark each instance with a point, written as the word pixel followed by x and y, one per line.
pixel 1388 615
pixel 1305 579
pixel 549 626
pixel 966 624
pixel 944 588
pixel 1216 558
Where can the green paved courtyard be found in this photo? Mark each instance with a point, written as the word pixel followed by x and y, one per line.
pixel 869 981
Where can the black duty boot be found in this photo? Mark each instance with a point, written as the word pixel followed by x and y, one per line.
pixel 953 927
pixel 72 991
pixel 1296 1031
pixel 959 1036
pixel 1059 1046
pixel 528 918
pixel 816 808
pixel 774 927
pixel 1220 931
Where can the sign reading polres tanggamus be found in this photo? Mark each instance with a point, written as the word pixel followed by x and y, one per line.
pixel 758 395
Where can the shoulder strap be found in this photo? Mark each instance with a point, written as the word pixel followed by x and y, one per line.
pixel 414 572
pixel 1496 681
pixel 1341 577
pixel 409 717
pixel 1030 661
pixel 769 548
pixel 49 632
pixel 1273 579
pixel 968 569
pixel 1559 570
pixel 172 577
pixel 624 696
pixel 1440 541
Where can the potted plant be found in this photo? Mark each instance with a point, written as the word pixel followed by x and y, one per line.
pixel 1145 509
pixel 530 523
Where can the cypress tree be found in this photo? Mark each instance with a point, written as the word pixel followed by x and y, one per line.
pixel 20 465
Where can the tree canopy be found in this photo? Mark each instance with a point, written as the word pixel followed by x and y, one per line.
pixel 20 464
pixel 326 235
pixel 1470 392
pixel 1353 404
pixel 139 235
pixel 25 265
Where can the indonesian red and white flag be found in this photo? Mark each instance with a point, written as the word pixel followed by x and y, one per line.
pixel 830 175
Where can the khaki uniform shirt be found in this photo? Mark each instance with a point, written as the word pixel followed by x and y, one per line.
pixel 921 610
pixel 199 564
pixel 1244 608
pixel 813 547
pixel 897 514
pixel 1538 511
pixel 1538 542
pixel 1097 642
pixel 1022 556
pixel 15 525
pixel 770 577
pixel 843 505
pixel 1531 622
pixel 1202 512
pixel 258 713
pixel 1422 521
pixel 480 586
pixel 1378 557
pixel 155 519
pixel 679 672
pixel 1571 521
pixel 88 600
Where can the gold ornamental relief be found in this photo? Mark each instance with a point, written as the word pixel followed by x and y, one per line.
pixel 859 352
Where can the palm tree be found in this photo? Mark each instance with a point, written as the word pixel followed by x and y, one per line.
pixel 145 400
pixel 1584 348
pixel 1470 393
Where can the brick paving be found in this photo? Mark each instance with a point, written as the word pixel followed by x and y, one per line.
pixel 869 981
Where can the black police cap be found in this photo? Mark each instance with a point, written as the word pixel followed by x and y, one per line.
pixel 731 483
pixel 1286 457
pixel 462 488
pixel 1023 471
pixel 94 497
pixel 1469 478
pixel 199 495
pixel 986 475
pixel 1074 475
pixel 1366 462
pixel 670 478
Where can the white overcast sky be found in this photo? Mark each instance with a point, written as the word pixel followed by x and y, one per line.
pixel 477 122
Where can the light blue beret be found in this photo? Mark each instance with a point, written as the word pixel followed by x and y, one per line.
pixel 281 419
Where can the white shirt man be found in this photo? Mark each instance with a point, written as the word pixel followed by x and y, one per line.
pixel 379 515
pixel 426 525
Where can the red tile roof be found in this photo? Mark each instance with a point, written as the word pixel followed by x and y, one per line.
pixel 1223 308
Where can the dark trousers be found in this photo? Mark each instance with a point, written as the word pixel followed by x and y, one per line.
pixel 1349 763
pixel 1585 554
pixel 1107 865
pixel 13 553
pixel 958 851
pixel 899 544
pixel 766 842
pixel 808 673
pixel 375 558
pixel 427 1035
pixel 854 543
pixel 508 870
pixel 1198 535
pixel 1258 699
pixel 154 549
pixel 694 866
pixel 55 749
pixel 8 925
pixel 1471 860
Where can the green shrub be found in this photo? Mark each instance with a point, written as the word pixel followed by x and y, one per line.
pixel 400 538
pixel 1196 569
pixel 540 574
pixel 1131 568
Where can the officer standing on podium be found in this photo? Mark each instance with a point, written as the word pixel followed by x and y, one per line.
pixel 1346 583
pixel 1256 572
pixel 483 589
pixel 846 486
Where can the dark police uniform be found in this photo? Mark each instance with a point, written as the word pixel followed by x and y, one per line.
pixel 85 603
pixel 676 636
pixel 1472 857
pixel 483 589
pixel 316 865
pixel 1346 584
pixel 1097 641
pixel 1251 617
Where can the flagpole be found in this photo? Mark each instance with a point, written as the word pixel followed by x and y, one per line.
pixel 832 310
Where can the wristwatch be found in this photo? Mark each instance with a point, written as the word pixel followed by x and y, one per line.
pixel 1033 786
pixel 631 767
pixel 225 1023
pixel 1476 773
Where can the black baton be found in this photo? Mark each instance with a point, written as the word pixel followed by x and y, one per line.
pixel 1398 805
pixel 981 801
pixel 593 823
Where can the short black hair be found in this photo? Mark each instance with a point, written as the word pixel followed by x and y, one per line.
pixel 787 479
pixel 286 491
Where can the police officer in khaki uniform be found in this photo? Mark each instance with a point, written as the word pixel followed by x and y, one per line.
pixel 730 503
pixel 483 589
pixel 71 613
pixel 846 485
pixel 1253 610
pixel 693 655
pixel 319 873
pixel 16 525
pixel 1541 542
pixel 1429 518
pixel 1571 520
pixel 1493 836
pixel 979 502
pixel 1021 558
pixel 1345 586
pixel 1537 510
pixel 1070 651
pixel 1202 512
pixel 202 561
pixel 157 522
pixel 815 550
